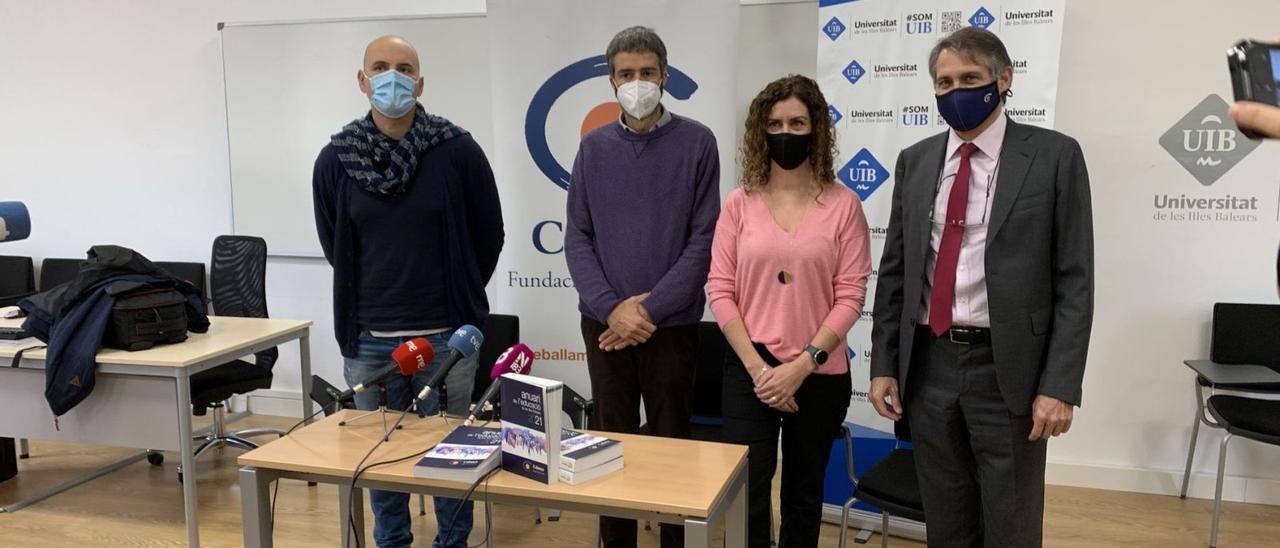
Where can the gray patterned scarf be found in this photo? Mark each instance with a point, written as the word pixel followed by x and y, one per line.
pixel 385 166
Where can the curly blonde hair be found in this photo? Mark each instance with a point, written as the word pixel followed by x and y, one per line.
pixel 754 153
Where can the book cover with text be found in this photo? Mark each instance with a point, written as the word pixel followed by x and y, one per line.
pixel 466 454
pixel 531 426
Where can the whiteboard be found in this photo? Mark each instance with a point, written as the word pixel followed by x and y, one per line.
pixel 291 84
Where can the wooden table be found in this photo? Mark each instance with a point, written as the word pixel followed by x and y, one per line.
pixel 692 483
pixel 135 395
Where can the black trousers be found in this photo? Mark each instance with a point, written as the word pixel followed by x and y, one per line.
pixel 806 446
pixel 661 372
pixel 981 481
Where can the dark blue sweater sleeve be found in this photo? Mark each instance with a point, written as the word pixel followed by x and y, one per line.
pixel 323 199
pixel 685 280
pixel 484 209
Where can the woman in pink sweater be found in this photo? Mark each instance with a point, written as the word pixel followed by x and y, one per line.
pixel 789 267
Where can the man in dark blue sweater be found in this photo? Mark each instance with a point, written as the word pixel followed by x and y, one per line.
pixel 408 215
pixel 643 204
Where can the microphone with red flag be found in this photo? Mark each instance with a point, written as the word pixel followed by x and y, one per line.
pixel 410 357
pixel 517 359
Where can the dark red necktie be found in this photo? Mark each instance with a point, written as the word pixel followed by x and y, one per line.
pixel 943 293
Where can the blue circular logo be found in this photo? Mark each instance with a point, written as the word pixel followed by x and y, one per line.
pixel 679 85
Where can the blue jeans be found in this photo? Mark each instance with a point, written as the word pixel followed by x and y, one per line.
pixel 392 525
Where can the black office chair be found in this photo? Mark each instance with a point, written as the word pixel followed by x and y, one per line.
pixel 56 271
pixel 238 282
pixel 708 382
pixel 17 279
pixel 1243 334
pixel 890 485
pixel 577 407
pixel 501 331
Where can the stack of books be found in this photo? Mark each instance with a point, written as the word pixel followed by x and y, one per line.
pixel 466 454
pixel 584 457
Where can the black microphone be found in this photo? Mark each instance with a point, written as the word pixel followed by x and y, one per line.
pixel 410 357
pixel 517 359
pixel 464 343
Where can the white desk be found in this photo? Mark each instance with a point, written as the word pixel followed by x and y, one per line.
pixel 135 396
pixel 693 483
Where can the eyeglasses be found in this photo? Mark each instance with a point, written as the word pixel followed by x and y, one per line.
pixel 968 221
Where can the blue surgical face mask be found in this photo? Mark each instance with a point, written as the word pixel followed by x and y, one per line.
pixel 392 93
pixel 966 108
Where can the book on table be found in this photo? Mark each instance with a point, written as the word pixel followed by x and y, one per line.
pixel 584 475
pixel 531 426
pixel 580 450
pixel 466 455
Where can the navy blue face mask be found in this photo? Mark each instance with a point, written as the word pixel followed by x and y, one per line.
pixel 966 108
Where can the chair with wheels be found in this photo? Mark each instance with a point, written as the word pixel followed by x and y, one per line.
pixel 238 283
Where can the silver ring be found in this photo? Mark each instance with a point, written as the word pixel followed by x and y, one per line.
pixel 773 399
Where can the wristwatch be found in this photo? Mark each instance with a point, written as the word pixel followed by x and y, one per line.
pixel 819 355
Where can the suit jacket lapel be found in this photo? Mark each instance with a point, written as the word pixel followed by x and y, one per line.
pixel 935 158
pixel 1015 160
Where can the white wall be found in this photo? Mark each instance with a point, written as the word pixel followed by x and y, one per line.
pixel 123 134
pixel 1130 71
pixel 114 132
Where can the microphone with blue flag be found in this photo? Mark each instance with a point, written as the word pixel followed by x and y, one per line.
pixel 15 221
pixel 464 343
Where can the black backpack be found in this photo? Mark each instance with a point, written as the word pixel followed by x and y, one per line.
pixel 144 316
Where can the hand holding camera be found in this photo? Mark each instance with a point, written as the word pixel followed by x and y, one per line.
pixel 1255 79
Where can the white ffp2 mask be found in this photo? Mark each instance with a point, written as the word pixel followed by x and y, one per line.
pixel 639 97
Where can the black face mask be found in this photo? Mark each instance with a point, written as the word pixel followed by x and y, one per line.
pixel 788 149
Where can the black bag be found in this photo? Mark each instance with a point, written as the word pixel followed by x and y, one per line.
pixel 144 317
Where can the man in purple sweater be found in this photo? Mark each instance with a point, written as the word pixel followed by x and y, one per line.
pixel 643 203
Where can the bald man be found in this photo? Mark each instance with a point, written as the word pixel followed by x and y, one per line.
pixel 408 215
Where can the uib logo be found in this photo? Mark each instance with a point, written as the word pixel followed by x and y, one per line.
pixel 863 174
pixel 679 85
pixel 854 71
pixel 1206 142
pixel 919 23
pixel 834 28
pixel 832 111
pixel 982 18
pixel 915 115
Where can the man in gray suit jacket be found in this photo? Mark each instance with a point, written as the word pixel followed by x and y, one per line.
pixel 984 301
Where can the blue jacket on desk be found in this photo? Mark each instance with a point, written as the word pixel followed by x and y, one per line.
pixel 72 318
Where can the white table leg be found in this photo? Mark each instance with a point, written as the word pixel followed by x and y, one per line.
pixel 697 533
pixel 255 507
pixel 304 350
pixel 351 503
pixel 188 460
pixel 735 520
